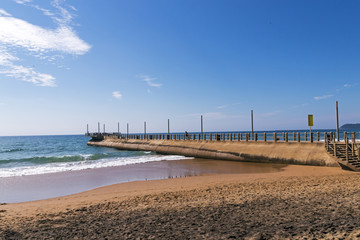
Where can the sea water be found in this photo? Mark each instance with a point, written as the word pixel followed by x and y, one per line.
pixel 34 155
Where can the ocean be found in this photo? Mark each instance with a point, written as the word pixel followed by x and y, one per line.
pixel 33 155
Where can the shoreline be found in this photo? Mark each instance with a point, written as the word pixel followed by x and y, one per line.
pixel 133 188
pixel 299 201
pixel 51 185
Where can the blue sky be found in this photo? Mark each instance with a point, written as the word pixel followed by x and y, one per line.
pixel 66 63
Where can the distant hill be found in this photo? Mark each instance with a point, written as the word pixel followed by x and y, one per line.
pixel 350 126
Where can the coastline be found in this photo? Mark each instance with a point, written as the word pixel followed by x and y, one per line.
pixel 50 185
pixel 301 198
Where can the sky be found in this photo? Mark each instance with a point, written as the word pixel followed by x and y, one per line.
pixel 68 63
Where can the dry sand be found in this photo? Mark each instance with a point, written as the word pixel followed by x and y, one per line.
pixel 300 202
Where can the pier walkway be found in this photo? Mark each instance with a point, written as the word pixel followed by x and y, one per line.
pixel 319 148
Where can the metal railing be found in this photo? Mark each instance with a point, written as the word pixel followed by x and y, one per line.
pixel 327 137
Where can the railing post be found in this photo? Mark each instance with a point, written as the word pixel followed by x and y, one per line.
pixel 294 136
pixel 347 148
pixel 256 137
pixel 311 137
pixel 345 136
pixel 353 143
pixel 335 149
pixel 247 137
pixel 275 137
pixel 241 137
pixel 283 137
pixel 286 137
pixel 318 137
pixel 264 136
pixel 238 137
pixel 298 137
pixel 326 141
pixel 305 136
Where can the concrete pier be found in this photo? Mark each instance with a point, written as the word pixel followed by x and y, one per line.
pixel 303 153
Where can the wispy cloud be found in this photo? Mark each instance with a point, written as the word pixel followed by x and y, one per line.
pixel 117 95
pixel 323 97
pixel 42 43
pixel 3 13
pixel 221 106
pixel 149 80
pixel 22 1
pixel 28 74
pixel 346 86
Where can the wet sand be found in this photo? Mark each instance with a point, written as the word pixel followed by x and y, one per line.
pixel 300 202
pixel 38 187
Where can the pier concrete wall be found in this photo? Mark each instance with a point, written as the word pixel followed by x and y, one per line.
pixel 305 153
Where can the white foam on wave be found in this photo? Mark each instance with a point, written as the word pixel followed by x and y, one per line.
pixel 82 165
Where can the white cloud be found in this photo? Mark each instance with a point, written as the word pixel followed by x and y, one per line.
pixel 117 95
pixel 39 42
pixel 28 74
pixel 149 81
pixel 19 33
pixel 65 15
pixel 22 1
pixel 347 85
pixel 323 97
pixel 3 13
pixel 221 107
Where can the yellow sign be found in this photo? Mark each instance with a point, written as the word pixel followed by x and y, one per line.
pixel 310 120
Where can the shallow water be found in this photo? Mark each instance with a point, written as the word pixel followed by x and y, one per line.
pixel 36 187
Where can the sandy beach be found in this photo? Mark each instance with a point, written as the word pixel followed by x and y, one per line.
pixel 300 202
